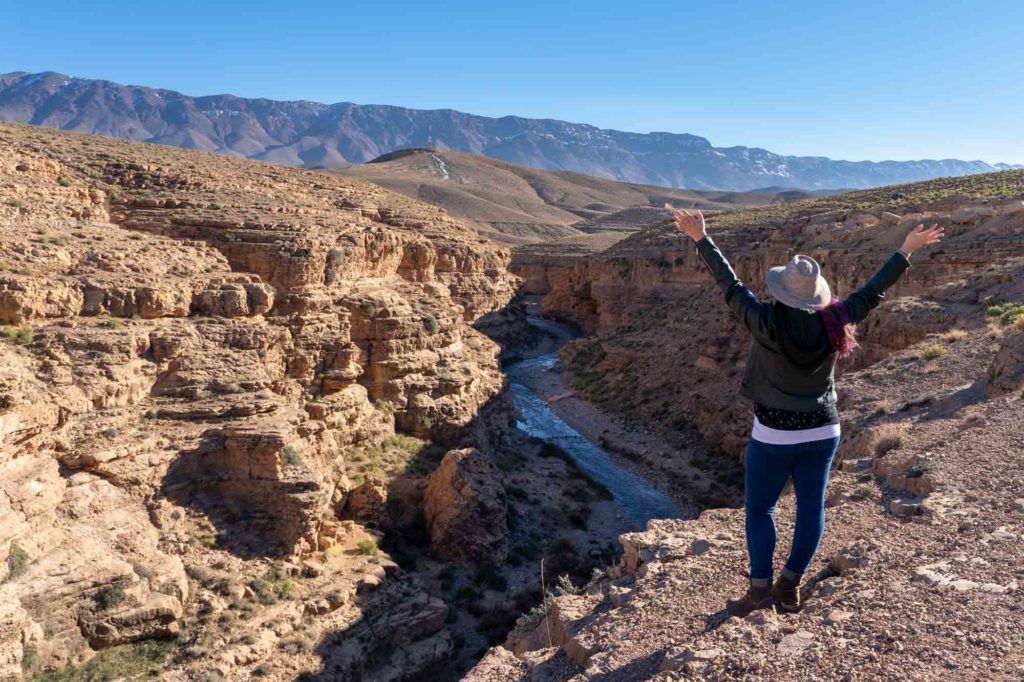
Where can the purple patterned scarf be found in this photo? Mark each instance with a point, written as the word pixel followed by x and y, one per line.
pixel 841 335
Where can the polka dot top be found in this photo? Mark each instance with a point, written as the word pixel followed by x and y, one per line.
pixel 786 420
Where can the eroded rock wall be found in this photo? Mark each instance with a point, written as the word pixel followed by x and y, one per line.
pixel 193 348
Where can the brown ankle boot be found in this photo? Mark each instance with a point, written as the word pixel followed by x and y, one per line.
pixel 755 598
pixel 787 593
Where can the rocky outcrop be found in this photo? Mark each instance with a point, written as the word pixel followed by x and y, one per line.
pixel 662 341
pixel 1006 374
pixel 466 509
pixel 197 354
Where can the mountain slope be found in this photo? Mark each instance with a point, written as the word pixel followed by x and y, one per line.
pixel 317 135
pixel 515 204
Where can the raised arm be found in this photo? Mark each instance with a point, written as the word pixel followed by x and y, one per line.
pixel 867 298
pixel 745 307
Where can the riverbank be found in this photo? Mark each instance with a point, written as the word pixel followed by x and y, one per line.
pixel 641 451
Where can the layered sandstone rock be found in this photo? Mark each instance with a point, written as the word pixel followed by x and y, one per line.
pixel 466 509
pixel 193 346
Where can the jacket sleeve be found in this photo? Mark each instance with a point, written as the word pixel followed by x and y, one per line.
pixel 867 298
pixel 750 312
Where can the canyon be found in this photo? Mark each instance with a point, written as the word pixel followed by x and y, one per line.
pixel 264 422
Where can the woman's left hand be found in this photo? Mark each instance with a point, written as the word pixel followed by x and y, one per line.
pixel 690 224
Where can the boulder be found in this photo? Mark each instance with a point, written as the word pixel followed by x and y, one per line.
pixel 466 509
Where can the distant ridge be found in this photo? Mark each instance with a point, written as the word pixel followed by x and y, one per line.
pixel 313 135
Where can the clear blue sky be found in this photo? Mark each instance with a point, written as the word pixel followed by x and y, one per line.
pixel 854 80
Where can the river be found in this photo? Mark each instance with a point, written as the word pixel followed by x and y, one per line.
pixel 638 499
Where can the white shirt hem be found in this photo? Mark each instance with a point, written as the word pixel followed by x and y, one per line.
pixel 764 434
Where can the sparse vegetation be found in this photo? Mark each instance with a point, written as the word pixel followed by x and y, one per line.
pixel 368 547
pixel 919 469
pixel 431 324
pixel 17 561
pixel 64 181
pixel 292 456
pixel 1007 313
pixel 112 323
pixel 29 658
pixel 109 596
pixel 932 352
pixel 385 405
pixel 887 437
pixel 954 335
pixel 131 661
pixel 18 336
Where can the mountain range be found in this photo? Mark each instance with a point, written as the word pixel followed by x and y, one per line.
pixel 315 135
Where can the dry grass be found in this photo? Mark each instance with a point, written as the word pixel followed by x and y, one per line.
pixel 875 441
pixel 887 437
pixel 954 335
pixel 932 352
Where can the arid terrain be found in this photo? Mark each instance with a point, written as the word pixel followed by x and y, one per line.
pixel 921 569
pixel 259 422
pixel 517 205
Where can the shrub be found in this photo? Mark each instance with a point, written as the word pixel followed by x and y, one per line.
pixel 112 323
pixel 19 336
pixel 292 457
pixel 369 308
pixel 385 405
pixel 1007 313
pixel 29 658
pixel 127 662
pixel 431 324
pixel 111 595
pixel 888 437
pixel 64 181
pixel 17 561
pixel 368 547
pixel 931 352
pixel 284 589
pixel 918 470
pixel 954 335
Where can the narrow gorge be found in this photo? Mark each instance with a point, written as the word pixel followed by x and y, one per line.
pixel 265 423
pixel 253 425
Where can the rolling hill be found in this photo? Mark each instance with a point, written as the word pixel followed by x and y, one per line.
pixel 518 205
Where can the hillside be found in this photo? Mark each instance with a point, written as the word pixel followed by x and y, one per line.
pixel 920 573
pixel 316 135
pixel 519 205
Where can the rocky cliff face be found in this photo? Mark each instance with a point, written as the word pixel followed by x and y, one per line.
pixel 197 354
pixel 665 347
pixel 918 576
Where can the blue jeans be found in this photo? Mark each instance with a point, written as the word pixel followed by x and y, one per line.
pixel 767 469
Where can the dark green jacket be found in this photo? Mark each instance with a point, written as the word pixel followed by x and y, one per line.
pixel 792 364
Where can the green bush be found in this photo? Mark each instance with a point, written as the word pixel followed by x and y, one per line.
pixel 1007 313
pixel 431 324
pixel 368 547
pixel 17 561
pixel 64 181
pixel 19 336
pixel 111 595
pixel 292 457
pixel 128 662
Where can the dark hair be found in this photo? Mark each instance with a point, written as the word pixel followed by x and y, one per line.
pixel 840 329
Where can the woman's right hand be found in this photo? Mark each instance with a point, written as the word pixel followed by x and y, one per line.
pixel 919 237
pixel 690 224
